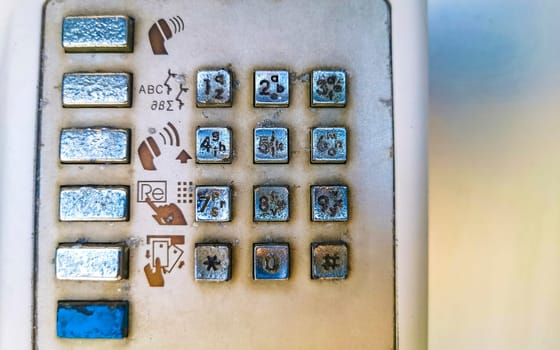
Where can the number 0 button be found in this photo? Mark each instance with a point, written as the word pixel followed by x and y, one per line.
pixel 213 88
pixel 328 88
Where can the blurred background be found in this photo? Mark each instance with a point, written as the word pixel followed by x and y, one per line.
pixel 494 174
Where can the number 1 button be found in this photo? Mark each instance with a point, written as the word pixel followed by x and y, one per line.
pixel 213 88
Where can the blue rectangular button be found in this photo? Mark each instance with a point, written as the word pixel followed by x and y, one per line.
pixel 92 319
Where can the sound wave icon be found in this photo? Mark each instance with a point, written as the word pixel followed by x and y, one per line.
pixel 178 24
pixel 172 138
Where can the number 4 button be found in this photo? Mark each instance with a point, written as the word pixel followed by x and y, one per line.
pixel 272 88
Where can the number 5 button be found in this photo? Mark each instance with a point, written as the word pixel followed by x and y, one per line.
pixel 272 88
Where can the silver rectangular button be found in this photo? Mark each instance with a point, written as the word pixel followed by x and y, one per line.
pixel 95 145
pixel 91 261
pixel 96 90
pixel 98 34
pixel 93 203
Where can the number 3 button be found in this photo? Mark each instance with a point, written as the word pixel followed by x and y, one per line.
pixel 328 88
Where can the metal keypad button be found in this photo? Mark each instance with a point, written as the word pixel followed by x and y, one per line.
pixel 212 262
pixel 213 145
pixel 96 90
pixel 329 203
pixel 213 203
pixel 271 261
pixel 328 88
pixel 92 319
pixel 270 145
pixel 271 203
pixel 272 88
pixel 93 203
pixel 213 88
pixel 328 145
pixel 94 145
pixel 329 260
pixel 97 34
pixel 91 261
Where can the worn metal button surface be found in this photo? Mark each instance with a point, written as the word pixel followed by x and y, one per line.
pixel 328 88
pixel 212 262
pixel 98 34
pixel 271 203
pixel 328 145
pixel 272 88
pixel 329 203
pixel 329 260
pixel 213 203
pixel 213 145
pixel 91 261
pixel 93 203
pixel 271 261
pixel 92 319
pixel 213 88
pixel 270 145
pixel 95 145
pixel 96 90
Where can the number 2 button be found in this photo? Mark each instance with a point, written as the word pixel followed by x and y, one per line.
pixel 272 88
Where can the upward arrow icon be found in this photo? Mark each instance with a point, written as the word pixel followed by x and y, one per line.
pixel 183 157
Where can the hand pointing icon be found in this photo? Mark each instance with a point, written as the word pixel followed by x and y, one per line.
pixel 155 277
pixel 168 214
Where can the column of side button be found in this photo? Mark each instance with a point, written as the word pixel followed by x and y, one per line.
pixel 93 145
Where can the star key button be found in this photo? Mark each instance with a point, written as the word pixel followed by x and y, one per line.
pixel 212 262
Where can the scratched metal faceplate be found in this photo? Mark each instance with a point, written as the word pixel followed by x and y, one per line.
pixel 174 41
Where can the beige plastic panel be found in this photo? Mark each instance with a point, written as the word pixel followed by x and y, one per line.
pixel 299 313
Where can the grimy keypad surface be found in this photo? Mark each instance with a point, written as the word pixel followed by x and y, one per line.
pixel 215 175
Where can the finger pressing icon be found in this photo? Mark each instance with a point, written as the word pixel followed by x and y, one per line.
pixel 155 276
pixel 169 214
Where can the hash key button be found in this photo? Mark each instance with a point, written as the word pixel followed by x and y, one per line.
pixel 329 260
